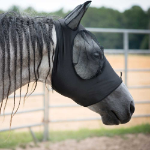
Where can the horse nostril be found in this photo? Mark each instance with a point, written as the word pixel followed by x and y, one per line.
pixel 132 108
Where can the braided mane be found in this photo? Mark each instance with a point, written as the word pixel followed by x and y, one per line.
pixel 14 29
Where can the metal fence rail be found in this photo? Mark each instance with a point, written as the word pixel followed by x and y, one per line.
pixel 45 93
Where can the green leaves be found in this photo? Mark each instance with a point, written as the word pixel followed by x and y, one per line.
pixel 133 18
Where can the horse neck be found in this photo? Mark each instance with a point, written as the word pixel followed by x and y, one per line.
pixel 43 69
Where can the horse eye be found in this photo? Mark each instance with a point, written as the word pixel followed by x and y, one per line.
pixel 96 54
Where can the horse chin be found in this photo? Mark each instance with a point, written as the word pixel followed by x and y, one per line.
pixel 112 119
pixel 107 120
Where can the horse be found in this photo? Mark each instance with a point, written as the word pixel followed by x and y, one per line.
pixel 63 54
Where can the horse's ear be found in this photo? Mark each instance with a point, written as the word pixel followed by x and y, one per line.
pixel 73 19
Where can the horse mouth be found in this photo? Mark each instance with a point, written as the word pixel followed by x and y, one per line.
pixel 115 117
pixel 111 119
pixel 120 121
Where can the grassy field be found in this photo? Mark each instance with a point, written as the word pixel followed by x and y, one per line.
pixel 14 139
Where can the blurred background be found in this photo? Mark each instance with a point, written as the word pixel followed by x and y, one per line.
pixel 72 126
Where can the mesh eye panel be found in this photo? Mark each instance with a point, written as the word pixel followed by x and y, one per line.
pixel 86 64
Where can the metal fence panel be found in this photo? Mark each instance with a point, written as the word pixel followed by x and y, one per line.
pixel 45 94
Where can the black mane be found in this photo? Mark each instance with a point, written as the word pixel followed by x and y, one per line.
pixel 35 30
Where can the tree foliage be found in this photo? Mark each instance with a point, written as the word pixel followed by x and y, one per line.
pixel 133 18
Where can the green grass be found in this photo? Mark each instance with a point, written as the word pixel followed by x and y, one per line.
pixel 22 138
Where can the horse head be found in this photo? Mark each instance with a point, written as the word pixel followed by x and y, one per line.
pixel 82 72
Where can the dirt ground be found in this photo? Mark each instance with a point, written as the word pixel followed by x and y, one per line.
pixel 117 62
pixel 126 142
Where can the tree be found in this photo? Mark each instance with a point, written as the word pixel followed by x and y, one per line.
pixel 136 18
pixel 14 8
pixel 105 18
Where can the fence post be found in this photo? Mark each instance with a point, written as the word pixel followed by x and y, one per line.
pixel 46 114
pixel 126 47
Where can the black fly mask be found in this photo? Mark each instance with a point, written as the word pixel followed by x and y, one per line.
pixel 81 71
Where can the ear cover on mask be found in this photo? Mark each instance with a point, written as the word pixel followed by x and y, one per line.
pixel 88 56
pixel 72 20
